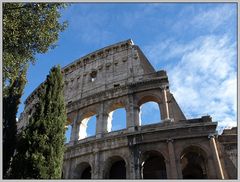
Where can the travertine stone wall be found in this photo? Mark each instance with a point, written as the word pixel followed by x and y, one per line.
pixel 120 76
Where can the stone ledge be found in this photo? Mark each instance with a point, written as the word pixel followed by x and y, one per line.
pixel 153 128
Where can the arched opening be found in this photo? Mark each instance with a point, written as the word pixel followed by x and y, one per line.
pixel 149 113
pixel 118 170
pixel 116 120
pixel 193 164
pixel 68 133
pixel 87 127
pixel 86 174
pixel 115 168
pixel 154 166
pixel 91 126
pixel 83 171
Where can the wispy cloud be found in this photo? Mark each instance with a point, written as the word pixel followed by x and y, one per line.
pixel 213 18
pixel 201 61
pixel 204 80
pixel 205 19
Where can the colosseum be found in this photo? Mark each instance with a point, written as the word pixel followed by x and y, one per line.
pixel 120 76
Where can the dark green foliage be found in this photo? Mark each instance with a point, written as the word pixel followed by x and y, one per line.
pixel 10 107
pixel 40 148
pixel 28 28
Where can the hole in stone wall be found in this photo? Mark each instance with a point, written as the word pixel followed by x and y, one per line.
pixel 116 85
pixel 93 76
pixel 149 113
pixel 117 120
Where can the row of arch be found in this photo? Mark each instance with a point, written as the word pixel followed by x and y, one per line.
pixel 149 113
pixel 193 165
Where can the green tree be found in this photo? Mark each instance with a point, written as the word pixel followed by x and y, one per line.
pixel 10 107
pixel 40 147
pixel 28 29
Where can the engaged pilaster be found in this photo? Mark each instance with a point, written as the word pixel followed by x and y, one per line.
pixel 165 101
pixel 132 117
pixel 102 122
pixel 173 166
pixel 132 114
pixel 216 158
pixel 75 129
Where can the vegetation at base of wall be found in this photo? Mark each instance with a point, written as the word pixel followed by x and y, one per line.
pixel 28 29
pixel 40 147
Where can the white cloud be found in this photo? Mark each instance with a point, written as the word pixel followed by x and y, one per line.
pixel 204 80
pixel 201 62
pixel 213 18
pixel 204 19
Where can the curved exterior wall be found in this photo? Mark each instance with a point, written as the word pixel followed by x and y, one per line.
pixel 120 76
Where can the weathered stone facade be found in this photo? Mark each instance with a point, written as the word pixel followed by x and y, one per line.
pixel 120 76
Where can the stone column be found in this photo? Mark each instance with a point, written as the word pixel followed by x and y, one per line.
pixel 132 117
pixel 132 114
pixel 101 123
pixel 172 160
pixel 134 159
pixel 96 166
pixel 75 129
pixel 101 126
pixel 165 102
pixel 216 159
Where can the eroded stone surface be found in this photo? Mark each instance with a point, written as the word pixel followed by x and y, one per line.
pixel 120 76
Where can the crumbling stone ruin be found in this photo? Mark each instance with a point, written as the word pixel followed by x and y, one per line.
pixel 120 76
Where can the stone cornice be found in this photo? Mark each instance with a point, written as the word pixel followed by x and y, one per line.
pixel 99 54
pixel 122 139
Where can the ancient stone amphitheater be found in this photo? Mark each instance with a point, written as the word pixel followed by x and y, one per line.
pixel 120 76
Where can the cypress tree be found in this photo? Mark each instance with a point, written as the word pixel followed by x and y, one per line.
pixel 40 147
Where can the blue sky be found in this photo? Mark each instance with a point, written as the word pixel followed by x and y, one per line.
pixel 194 42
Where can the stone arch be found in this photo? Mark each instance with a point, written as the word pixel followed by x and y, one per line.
pixel 147 97
pixel 82 171
pixel 153 96
pixel 83 123
pixel 111 107
pixel 147 109
pixel 194 163
pixel 153 165
pixel 114 104
pixel 69 127
pixel 178 151
pixel 115 168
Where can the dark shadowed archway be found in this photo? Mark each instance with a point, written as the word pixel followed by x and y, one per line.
pixel 115 168
pixel 83 171
pixel 118 170
pixel 193 163
pixel 154 166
